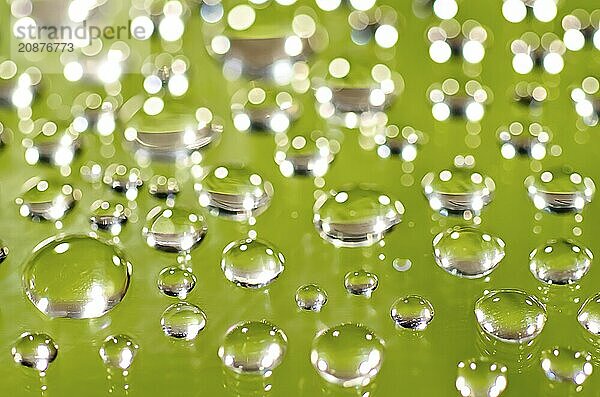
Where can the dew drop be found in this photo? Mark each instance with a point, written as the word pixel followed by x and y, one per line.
pixel 35 350
pixel 560 190
pixel 3 251
pixel 560 262
pixel 76 276
pixel 251 263
pixel 176 282
pixel 566 365
pixel 510 315
pixel 123 180
pixel 174 229
pixel 468 252
pixel 412 312
pixel 311 297
pixel 481 378
pixel 183 320
pixel 162 187
pixel 47 199
pixel 361 282
pixel 589 315
pixel 107 215
pixel 118 351
pixel 349 355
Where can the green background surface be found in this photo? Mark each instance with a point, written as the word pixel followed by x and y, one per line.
pixel 414 365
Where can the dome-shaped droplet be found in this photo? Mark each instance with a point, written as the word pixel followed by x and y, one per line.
pixel 176 282
pixel 566 365
pixel 589 315
pixel 47 199
pixel 35 350
pixel 76 276
pixel 304 154
pixel 264 109
pixel 174 229
pixel 349 355
pixel 108 215
pixel 162 187
pixel 560 190
pixel 511 315
pixel 251 263
pixel 253 347
pixel 311 297
pixel 234 192
pixel 183 320
pixel 412 312
pixel 3 251
pixel 468 252
pixel 358 216
pixel 481 378
pixel 361 282
pixel 53 144
pixel 458 190
pixel 560 262
pixel 123 180
pixel 118 351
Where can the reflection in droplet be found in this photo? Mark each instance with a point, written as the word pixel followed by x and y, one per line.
pixel 174 229
pixel 183 320
pixel 412 312
pixel 560 190
pixel 311 297
pixel 510 315
pixel 560 262
pixel 35 350
pixel 481 378
pixel 357 216
pixel 76 276
pixel 566 365
pixel 3 251
pixel 252 263
pixel 361 282
pixel 176 282
pixel 47 199
pixel 349 355
pixel 118 351
pixel 253 347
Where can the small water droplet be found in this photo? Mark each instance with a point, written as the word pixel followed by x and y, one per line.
pixel 349 355
pixel 253 347
pixel 311 297
pixel 76 276
pixel 357 216
pixel 560 190
pixel 304 155
pixel 183 320
pixel 35 350
pixel 118 351
pixel 468 252
pixel 560 262
pixel 251 263
pixel 56 145
pixel 47 199
pixel 589 315
pixel 162 187
pixel 412 312
pixel 174 229
pixel 511 315
pixel 481 378
pixel 566 365
pixel 3 251
pixel 108 215
pixel 361 282
pixel 402 265
pixel 123 180
pixel 176 282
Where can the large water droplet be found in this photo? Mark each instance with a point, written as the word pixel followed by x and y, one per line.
pixel 174 229
pixel 234 192
pixel 560 190
pixel 183 320
pixel 35 351
pixel 253 347
pixel 251 263
pixel 468 252
pixel 511 315
pixel 361 282
pixel 47 199
pixel 118 351
pixel 589 314
pixel 481 378
pixel 412 312
pixel 349 355
pixel 176 282
pixel 311 297
pixel 107 215
pixel 76 276
pixel 566 365
pixel 358 216
pixel 458 190
pixel 560 262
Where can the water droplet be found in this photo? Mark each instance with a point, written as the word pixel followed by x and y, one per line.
pixel 560 262
pixel 253 347
pixel 107 215
pixel 511 315
pixel 162 187
pixel 263 109
pixel 234 192
pixel 252 263
pixel 174 229
pixel 402 265
pixel 458 190
pixel 118 351
pixel 349 355
pixel 566 365
pixel 47 199
pixel 589 314
pixel 358 216
pixel 3 251
pixel 481 378
pixel 35 351
pixel 123 180
pixel 361 282
pixel 311 297
pixel 176 282
pixel 468 252
pixel 412 312
pixel 183 320
pixel 304 155
pixel 53 145
pixel 560 190
pixel 76 276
